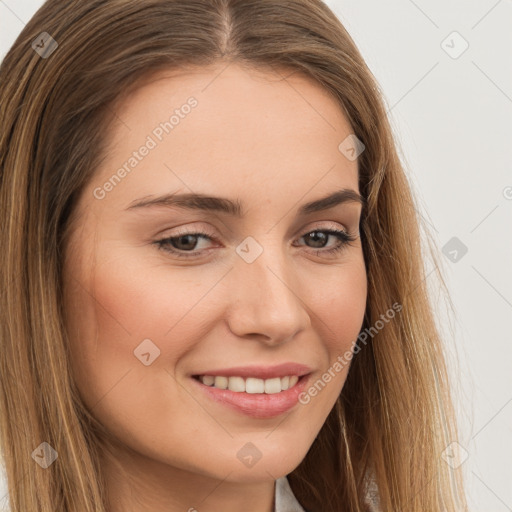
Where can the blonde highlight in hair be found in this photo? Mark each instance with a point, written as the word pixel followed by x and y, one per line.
pixel 394 416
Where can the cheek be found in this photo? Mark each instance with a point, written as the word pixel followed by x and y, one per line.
pixel 124 306
pixel 339 305
pixel 126 310
pixel 339 301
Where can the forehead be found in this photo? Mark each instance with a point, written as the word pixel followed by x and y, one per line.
pixel 260 130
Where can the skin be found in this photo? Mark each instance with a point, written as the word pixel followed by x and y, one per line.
pixel 273 145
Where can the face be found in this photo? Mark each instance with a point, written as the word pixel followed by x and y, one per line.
pixel 248 289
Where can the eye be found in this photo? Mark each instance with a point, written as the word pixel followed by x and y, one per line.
pixel 320 236
pixel 184 245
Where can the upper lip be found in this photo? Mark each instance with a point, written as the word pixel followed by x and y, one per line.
pixel 261 372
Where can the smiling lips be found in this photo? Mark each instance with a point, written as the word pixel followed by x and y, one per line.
pixel 257 391
pixel 255 379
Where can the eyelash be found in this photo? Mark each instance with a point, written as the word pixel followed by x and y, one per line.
pixel 344 238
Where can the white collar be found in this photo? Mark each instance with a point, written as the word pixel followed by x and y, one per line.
pixel 285 500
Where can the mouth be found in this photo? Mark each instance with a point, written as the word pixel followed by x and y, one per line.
pixel 252 396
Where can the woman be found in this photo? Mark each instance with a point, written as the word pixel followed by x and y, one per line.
pixel 287 359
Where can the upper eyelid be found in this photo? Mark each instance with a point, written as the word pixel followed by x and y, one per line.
pixel 208 233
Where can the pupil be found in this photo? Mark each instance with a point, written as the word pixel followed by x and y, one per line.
pixel 315 235
pixel 179 239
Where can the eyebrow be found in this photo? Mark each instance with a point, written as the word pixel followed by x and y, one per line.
pixel 234 208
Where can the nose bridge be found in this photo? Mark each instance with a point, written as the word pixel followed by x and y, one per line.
pixel 266 301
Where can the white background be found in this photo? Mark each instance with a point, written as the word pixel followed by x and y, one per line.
pixel 453 120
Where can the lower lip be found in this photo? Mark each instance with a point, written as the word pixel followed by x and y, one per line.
pixel 256 405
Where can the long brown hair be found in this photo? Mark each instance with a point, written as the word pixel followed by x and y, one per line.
pixel 394 416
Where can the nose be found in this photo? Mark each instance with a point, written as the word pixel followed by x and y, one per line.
pixel 266 299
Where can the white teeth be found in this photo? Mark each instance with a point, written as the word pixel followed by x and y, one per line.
pixel 251 384
pixel 208 380
pixel 221 382
pixel 273 385
pixel 236 384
